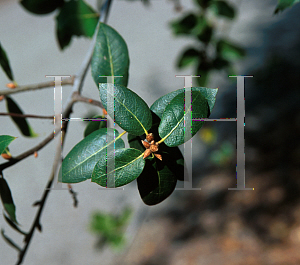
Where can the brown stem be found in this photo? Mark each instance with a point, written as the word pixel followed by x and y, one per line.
pixel 26 115
pixel 65 81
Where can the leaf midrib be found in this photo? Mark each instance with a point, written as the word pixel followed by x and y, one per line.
pixel 93 155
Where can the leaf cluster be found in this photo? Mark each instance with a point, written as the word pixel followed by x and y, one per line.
pixel 210 52
pixel 90 158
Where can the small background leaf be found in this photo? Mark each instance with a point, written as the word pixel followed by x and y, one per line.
pixel 110 228
pixel 13 225
pixel 7 200
pixel 184 25
pixel 132 113
pixel 222 8
pixel 79 163
pixel 21 123
pixel 230 51
pixel 188 57
pixel 5 140
pixel 76 17
pixel 41 7
pixel 10 242
pixel 110 56
pixel 129 164
pixel 4 62
pixel 283 4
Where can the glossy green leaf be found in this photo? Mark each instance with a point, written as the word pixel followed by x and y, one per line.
pixel 10 242
pixel 7 200
pixel 4 62
pixel 188 57
pixel 171 127
pixel 22 124
pixel 110 56
pixel 132 113
pixel 76 17
pixel 222 8
pixel 95 125
pixel 156 182
pixel 79 163
pixel 283 4
pixel 5 140
pixel 129 164
pixel 41 7
pixel 229 51
pixel 160 104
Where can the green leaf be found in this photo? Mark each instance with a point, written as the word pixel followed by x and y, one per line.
pixel 10 242
pixel 171 128
pixel 76 17
pixel 172 156
pixel 95 125
pixel 135 142
pixel 110 228
pixel 132 113
pixel 203 70
pixel 203 3
pixel 13 225
pixel 129 164
pixel 79 163
pixel 110 56
pixel 160 104
pixel 156 182
pixel 4 62
pixel 283 4
pixel 5 140
pixel 7 200
pixel 185 25
pixel 229 51
pixel 222 8
pixel 22 124
pixel 41 7
pixel 188 57
pixel 206 34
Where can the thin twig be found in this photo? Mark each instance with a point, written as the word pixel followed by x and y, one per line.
pixel 77 86
pixel 27 153
pixel 65 81
pixel 26 115
pixel 78 98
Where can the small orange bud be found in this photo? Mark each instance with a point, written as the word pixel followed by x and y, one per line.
pixel 150 137
pixel 1 97
pixel 145 144
pixel 158 156
pixel 11 85
pixel 153 147
pixel 35 154
pixel 104 112
pixel 6 156
pixel 147 153
pixel 90 100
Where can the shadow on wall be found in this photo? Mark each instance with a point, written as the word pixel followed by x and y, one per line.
pixel 268 215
